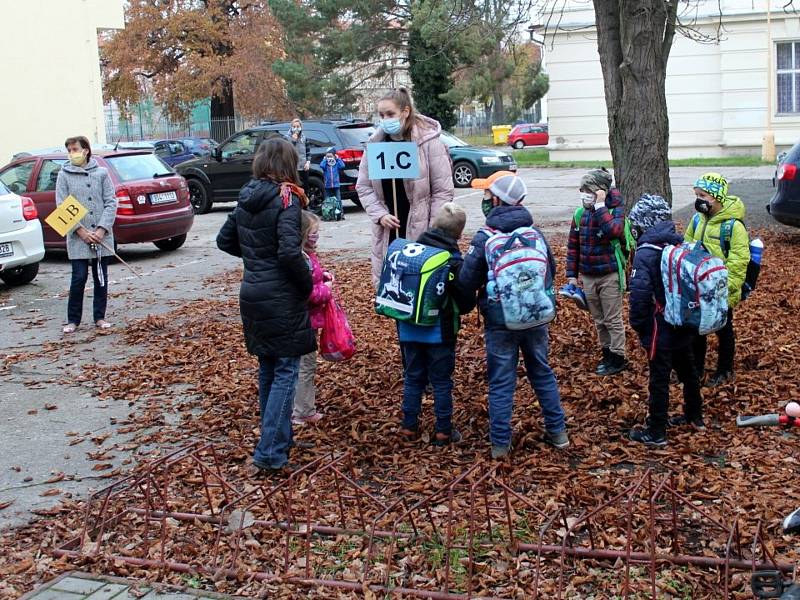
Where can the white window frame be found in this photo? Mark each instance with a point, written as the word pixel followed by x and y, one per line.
pixel 795 72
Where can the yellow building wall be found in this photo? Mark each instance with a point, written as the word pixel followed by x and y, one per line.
pixel 51 86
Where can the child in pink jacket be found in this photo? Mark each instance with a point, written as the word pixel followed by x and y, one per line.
pixel 305 410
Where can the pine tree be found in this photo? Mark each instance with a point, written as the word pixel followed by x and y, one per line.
pixel 431 72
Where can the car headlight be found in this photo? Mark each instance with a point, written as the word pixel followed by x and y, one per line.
pixel 490 160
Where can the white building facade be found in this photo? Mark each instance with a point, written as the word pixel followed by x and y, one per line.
pixel 53 87
pixel 722 96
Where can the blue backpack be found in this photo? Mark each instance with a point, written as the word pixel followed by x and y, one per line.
pixel 413 283
pixel 695 288
pixel 520 287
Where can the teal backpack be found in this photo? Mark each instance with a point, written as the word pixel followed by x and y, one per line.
pixel 623 250
pixel 332 209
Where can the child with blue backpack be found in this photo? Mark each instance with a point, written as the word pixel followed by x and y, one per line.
pixel 332 166
pixel 719 226
pixel 511 264
pixel 429 352
pixel 668 347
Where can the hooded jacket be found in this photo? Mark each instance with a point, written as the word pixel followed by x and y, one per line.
pixel 647 289
pixel 475 271
pixel 426 194
pixel 331 172
pixel 589 249
pixel 276 283
pixel 708 232
pixel 91 185
pixel 446 331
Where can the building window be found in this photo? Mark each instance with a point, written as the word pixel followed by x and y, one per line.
pixel 788 74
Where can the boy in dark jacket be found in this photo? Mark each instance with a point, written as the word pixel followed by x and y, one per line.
pixel 593 266
pixel 503 210
pixel 429 353
pixel 668 347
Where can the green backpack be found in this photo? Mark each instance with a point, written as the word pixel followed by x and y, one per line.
pixel 623 250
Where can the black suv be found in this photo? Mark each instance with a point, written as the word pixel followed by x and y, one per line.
pixel 219 177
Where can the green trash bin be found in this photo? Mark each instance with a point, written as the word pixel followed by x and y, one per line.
pixel 500 134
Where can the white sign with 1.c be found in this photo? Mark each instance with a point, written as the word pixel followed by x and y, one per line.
pixel 392 160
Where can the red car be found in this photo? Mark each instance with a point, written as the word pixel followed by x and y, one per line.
pixel 152 200
pixel 528 134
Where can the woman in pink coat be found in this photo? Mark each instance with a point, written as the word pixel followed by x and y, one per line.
pixel 419 199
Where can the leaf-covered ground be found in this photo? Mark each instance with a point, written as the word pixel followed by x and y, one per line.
pixel 194 381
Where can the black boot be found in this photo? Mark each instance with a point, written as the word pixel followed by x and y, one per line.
pixel 615 364
pixel 603 364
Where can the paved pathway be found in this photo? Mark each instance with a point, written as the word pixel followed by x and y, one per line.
pixel 84 586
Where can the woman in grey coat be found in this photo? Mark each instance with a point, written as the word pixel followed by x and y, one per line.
pixel 91 185
pixel 300 144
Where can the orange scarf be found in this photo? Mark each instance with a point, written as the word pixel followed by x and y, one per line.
pixel 287 189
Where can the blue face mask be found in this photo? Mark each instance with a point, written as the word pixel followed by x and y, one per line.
pixel 391 126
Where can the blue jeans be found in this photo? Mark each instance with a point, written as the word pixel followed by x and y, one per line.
pixel 277 380
pixel 424 363
pixel 80 273
pixel 502 358
pixel 334 192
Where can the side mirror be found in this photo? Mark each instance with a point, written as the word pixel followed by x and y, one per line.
pixel 217 154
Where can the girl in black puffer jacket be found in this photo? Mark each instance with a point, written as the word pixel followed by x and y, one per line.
pixel 264 230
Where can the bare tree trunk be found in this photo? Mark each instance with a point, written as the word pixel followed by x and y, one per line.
pixel 223 123
pixel 498 109
pixel 634 40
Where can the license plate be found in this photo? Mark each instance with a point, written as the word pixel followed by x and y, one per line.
pixel 163 198
pixel 7 249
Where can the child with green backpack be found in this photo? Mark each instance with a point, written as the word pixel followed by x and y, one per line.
pixel 598 252
pixel 719 226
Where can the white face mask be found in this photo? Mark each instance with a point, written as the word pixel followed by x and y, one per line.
pixel 587 199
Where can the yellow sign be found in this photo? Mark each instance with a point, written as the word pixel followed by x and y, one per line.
pixel 64 218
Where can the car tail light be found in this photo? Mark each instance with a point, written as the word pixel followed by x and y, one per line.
pixel 124 202
pixel 787 172
pixel 29 211
pixel 350 156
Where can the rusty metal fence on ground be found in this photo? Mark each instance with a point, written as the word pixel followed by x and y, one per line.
pixel 324 526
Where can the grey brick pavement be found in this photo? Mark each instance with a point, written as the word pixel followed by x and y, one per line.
pixel 85 586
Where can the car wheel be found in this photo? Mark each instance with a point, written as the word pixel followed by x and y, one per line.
pixel 172 243
pixel 519 144
pixel 316 194
pixel 463 174
pixel 20 275
pixel 199 196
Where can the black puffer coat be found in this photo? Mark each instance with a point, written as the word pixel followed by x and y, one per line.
pixel 277 280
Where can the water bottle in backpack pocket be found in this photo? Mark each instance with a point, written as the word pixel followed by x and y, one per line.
pixel 520 287
pixel 413 282
pixel 695 288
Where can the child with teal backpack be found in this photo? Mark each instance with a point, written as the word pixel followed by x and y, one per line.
pixel 516 309
pixel 331 166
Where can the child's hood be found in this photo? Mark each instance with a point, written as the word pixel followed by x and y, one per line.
pixel 508 218
pixel 661 234
pixel 732 208
pixel 257 194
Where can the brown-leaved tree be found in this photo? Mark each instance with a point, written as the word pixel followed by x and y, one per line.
pixel 184 51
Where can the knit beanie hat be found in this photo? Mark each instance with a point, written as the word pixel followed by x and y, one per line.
pixel 510 189
pixel 713 184
pixel 597 179
pixel 648 211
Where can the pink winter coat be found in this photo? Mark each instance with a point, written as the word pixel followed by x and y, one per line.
pixel 320 294
pixel 426 194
